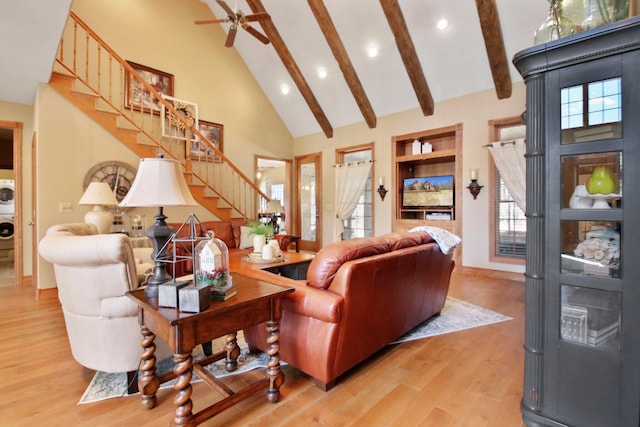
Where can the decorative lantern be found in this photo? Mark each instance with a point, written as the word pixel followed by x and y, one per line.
pixel 211 264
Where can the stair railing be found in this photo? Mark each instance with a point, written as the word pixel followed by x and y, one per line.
pixel 141 108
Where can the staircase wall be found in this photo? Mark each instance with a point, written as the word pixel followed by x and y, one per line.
pixel 69 143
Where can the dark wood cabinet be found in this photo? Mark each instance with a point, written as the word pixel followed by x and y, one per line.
pixel 582 334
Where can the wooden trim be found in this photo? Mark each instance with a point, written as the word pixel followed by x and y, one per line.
pixel 292 67
pixel 289 201
pixel 494 130
pixel 46 294
pixel 316 158
pixel 408 53
pixel 340 53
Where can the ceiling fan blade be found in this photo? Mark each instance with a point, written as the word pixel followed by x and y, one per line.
pixel 226 8
pixel 231 36
pixel 257 16
pixel 211 21
pixel 255 33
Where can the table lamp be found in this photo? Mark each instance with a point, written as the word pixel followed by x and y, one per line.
pixel 159 182
pixel 100 195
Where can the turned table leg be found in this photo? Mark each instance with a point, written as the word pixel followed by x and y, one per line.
pixel 274 373
pixel 183 368
pixel 233 351
pixel 148 382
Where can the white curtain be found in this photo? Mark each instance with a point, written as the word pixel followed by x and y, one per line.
pixel 510 161
pixel 351 180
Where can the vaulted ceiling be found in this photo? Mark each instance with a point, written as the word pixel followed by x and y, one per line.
pixel 416 67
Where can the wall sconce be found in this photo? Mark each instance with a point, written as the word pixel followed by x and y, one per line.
pixel 381 190
pixel 474 187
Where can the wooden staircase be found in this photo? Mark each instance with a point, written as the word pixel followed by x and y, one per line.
pixel 92 77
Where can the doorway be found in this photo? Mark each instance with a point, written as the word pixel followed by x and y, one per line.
pixel 9 133
pixel 309 201
pixel 273 177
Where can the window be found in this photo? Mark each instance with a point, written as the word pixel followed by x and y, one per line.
pixel 509 226
pixel 597 118
pixel 361 222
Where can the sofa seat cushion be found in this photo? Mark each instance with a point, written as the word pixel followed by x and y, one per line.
pixel 328 260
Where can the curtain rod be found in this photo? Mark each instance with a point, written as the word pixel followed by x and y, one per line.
pixel 353 163
pixel 502 143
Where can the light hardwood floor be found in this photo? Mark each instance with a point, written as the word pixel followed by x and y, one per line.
pixel 469 378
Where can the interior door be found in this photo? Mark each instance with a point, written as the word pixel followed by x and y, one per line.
pixel 309 201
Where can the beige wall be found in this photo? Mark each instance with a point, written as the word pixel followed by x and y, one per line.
pixel 205 72
pixel 474 112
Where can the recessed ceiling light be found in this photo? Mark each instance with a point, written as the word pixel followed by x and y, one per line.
pixel 322 72
pixel 442 24
pixel 284 89
pixel 372 51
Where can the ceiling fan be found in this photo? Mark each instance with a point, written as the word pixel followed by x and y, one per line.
pixel 238 19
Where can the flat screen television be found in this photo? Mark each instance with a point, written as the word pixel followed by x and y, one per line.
pixel 427 192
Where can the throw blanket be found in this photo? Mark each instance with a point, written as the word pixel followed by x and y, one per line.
pixel 445 239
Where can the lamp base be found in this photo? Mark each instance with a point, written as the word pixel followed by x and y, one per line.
pixel 159 234
pixel 101 218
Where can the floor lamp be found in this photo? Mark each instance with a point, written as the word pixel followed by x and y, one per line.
pixel 159 182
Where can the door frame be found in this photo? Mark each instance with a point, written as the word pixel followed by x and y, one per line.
pixel 315 158
pixel 18 250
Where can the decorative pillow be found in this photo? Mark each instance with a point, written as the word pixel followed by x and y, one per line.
pixel 445 239
pixel 328 260
pixel 246 241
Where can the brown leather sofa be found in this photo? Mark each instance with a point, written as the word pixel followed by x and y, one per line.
pixel 359 295
pixel 227 231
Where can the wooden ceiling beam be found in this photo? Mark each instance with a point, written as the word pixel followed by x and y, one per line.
pixel 408 53
pixel 344 62
pixel 292 67
pixel 494 43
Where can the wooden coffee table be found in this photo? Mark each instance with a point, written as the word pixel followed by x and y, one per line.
pixel 256 302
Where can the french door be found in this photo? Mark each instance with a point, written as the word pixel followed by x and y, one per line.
pixel 309 201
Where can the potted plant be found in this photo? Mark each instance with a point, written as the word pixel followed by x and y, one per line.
pixel 260 232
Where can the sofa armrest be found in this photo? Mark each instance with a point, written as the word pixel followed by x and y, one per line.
pixel 118 307
pixel 319 304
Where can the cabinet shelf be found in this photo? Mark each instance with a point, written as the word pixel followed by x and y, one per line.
pixel 435 157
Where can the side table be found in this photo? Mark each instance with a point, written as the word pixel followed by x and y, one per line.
pixel 256 302
pixel 284 240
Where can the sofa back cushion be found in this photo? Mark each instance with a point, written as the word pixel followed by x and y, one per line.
pixel 223 231
pixel 405 240
pixel 328 260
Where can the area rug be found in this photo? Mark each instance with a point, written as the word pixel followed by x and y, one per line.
pixel 456 315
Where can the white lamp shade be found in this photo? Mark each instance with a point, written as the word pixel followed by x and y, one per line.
pixel 159 182
pixel 98 193
pixel 274 206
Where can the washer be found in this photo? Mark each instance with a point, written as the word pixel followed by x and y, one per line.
pixel 7 206
pixel 6 232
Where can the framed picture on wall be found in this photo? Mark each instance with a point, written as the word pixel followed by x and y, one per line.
pixel 214 133
pixel 172 126
pixel 137 96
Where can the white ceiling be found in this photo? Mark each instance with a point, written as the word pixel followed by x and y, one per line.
pixel 454 61
pixel 30 31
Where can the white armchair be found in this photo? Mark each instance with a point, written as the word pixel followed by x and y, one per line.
pixel 93 273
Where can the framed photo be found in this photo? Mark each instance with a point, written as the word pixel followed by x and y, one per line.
pixel 136 96
pixel 173 127
pixel 214 133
